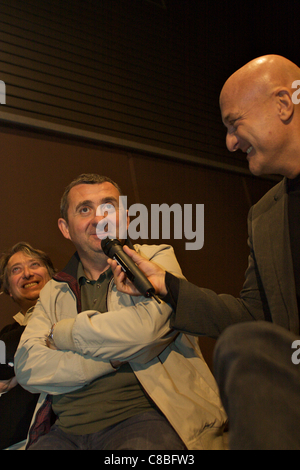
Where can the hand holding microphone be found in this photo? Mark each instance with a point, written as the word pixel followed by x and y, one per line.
pixel 114 250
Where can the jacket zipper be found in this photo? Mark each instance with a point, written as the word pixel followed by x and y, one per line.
pixel 109 289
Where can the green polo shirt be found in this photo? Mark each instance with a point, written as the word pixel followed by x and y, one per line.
pixel 109 399
pixel 93 293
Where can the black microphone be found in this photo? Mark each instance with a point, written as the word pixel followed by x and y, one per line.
pixel 113 249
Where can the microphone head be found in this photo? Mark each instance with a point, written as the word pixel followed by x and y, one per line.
pixel 107 243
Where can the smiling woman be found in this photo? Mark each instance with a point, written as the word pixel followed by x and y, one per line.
pixel 27 276
pixel 24 271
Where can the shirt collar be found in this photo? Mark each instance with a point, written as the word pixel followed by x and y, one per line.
pixel 23 319
pixel 82 278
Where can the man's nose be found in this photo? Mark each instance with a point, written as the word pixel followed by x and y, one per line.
pixel 98 218
pixel 232 142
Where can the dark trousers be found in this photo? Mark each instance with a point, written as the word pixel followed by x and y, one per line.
pixel 148 431
pixel 259 386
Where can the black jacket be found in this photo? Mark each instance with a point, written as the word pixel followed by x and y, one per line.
pixel 17 406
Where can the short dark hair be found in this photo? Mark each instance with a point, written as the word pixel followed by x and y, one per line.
pixel 28 250
pixel 85 178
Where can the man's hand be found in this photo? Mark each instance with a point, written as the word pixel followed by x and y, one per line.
pixel 7 385
pixel 152 271
pixel 50 344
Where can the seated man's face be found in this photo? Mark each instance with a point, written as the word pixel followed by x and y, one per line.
pixel 86 225
pixel 27 276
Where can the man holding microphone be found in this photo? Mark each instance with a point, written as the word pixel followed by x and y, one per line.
pixel 259 384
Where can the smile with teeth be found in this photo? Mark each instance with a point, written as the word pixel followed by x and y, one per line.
pixel 31 284
pixel 249 149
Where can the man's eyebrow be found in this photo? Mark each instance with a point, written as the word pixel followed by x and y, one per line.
pixel 87 202
pixel 90 203
pixel 230 118
pixel 109 199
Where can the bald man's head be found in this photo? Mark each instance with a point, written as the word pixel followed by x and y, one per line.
pixel 261 119
pixel 270 69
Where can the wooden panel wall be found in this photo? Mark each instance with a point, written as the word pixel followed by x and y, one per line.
pixel 123 68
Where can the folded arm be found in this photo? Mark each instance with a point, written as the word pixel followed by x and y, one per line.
pixel 137 332
pixel 41 369
pixel 89 341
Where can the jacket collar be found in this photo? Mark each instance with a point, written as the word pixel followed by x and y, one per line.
pixel 274 253
pixel 69 275
pixel 282 189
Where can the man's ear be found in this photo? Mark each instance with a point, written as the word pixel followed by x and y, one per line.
pixel 64 228
pixel 285 104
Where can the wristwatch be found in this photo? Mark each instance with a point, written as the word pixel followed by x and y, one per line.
pixel 50 335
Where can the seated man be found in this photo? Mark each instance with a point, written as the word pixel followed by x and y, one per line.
pixel 24 271
pixel 115 374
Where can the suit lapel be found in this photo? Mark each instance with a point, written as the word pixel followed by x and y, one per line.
pixel 275 257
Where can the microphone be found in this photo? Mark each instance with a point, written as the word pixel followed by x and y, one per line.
pixel 113 249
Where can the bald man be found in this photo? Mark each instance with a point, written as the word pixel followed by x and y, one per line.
pixel 255 364
pixel 260 117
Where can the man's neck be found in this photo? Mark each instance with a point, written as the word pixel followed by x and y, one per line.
pixel 292 172
pixel 94 267
pixel 291 161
